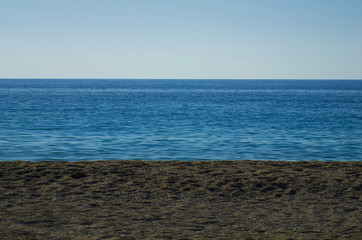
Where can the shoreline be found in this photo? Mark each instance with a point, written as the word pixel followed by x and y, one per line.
pixel 180 199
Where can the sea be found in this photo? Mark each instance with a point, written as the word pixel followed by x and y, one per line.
pixel 160 119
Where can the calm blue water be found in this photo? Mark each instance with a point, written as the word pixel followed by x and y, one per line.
pixel 180 119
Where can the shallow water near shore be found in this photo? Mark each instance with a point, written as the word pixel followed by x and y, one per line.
pixel 98 119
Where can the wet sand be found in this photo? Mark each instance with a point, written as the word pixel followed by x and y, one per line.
pixel 180 200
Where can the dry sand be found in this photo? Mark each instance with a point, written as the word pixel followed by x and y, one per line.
pixel 180 200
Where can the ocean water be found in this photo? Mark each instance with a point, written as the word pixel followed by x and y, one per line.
pixel 48 119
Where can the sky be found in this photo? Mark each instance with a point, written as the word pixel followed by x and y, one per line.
pixel 172 39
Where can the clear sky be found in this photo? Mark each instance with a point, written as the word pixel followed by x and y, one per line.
pixel 242 39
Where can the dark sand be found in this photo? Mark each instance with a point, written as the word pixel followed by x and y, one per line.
pixel 180 200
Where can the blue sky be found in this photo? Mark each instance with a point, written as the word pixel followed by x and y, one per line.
pixel 242 39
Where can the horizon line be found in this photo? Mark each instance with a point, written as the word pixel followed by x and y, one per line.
pixel 95 78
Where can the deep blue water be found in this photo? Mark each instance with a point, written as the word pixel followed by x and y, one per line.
pixel 180 119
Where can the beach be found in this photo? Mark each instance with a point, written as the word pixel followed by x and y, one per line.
pixel 180 200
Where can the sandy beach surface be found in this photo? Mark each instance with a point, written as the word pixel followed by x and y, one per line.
pixel 180 200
